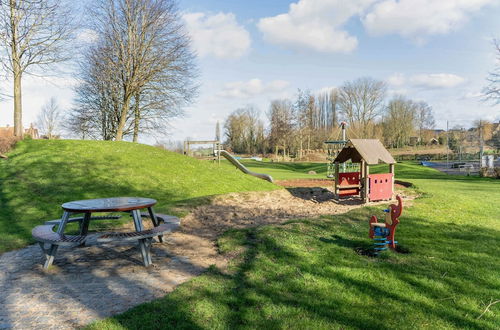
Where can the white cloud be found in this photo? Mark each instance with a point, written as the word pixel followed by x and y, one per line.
pixel 217 35
pixel 320 24
pixel 417 19
pixel 314 24
pixel 87 36
pixel 252 88
pixel 36 92
pixel 396 80
pixel 427 81
pixel 473 95
pixel 437 80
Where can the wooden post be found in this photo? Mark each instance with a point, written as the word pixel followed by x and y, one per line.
pixel 218 151
pixel 337 167
pixel 362 178
pixel 366 188
pixel 391 170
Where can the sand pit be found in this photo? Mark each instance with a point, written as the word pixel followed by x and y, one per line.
pixel 206 223
pixel 306 183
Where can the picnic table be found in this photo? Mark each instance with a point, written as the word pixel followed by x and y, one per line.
pixel 45 234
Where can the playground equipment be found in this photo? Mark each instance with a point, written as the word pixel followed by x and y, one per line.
pixel 383 233
pixel 370 187
pixel 215 155
pixel 242 168
pixel 333 148
pixel 211 155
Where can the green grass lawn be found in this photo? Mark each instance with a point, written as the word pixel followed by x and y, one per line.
pixel 284 171
pixel 40 175
pixel 309 274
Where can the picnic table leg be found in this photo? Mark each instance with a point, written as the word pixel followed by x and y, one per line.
pixel 136 215
pixel 154 219
pixel 84 225
pixel 49 255
pixel 64 221
pixel 143 246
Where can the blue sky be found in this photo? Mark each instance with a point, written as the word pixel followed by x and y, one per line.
pixel 251 52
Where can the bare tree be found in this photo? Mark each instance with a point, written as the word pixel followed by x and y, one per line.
pixel 245 131
pixel 303 113
pixel 424 118
pixel 492 90
pixel 97 105
pixel 399 121
pixel 281 126
pixel 328 108
pixel 360 102
pixel 34 34
pixel 79 124
pixel 145 50
pixel 49 119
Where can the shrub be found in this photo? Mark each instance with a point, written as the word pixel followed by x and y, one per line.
pixel 7 143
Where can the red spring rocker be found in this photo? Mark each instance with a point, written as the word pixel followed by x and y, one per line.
pixel 383 232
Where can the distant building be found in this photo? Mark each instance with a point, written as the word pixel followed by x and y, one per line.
pixel 8 131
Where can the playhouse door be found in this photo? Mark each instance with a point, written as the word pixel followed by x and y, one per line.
pixel 380 186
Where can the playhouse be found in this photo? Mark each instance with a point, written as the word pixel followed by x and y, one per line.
pixel 369 187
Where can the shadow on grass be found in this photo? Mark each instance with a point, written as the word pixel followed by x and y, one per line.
pixel 308 274
pixel 54 182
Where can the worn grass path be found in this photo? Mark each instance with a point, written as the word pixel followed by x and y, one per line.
pixel 309 274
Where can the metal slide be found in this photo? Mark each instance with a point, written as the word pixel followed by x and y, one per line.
pixel 242 168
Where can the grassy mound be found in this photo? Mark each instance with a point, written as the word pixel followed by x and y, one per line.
pixel 285 171
pixel 313 274
pixel 40 175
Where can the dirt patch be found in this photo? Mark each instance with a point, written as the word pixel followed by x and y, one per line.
pixel 243 210
pixel 398 184
pixel 305 183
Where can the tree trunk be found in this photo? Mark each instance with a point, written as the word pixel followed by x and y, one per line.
pixel 123 119
pixel 137 118
pixel 18 107
pixel 16 69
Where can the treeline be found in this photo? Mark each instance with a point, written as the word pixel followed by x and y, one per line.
pixel 310 119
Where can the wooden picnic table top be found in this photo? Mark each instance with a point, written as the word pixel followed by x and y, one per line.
pixel 113 204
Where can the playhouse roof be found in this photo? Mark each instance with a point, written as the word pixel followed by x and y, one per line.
pixel 370 150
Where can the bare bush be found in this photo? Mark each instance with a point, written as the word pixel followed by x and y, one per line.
pixel 7 143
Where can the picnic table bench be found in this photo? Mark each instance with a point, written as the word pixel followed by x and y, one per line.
pixel 45 234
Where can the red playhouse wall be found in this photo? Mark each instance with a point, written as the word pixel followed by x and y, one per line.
pixel 380 186
pixel 346 179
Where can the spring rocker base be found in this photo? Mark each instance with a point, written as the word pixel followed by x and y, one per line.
pixel 383 233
